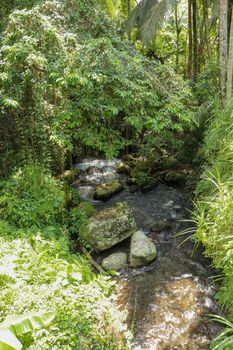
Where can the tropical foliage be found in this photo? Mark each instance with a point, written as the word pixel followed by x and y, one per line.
pixel 106 78
pixel 63 89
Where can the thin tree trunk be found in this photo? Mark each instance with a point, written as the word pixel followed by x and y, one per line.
pixel 201 47
pixel 195 41
pixel 177 37
pixel 128 7
pixel 128 13
pixel 223 4
pixel 207 29
pixel 190 40
pixel 230 61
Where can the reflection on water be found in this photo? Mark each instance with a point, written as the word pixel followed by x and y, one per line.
pixel 168 306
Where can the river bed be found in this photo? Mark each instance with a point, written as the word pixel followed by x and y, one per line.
pixel 167 306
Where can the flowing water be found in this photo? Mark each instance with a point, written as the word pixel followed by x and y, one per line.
pixel 168 302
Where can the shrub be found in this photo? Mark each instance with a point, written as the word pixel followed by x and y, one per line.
pixel 41 275
pixel 32 197
pixel 68 80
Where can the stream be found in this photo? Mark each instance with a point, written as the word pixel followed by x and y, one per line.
pixel 168 304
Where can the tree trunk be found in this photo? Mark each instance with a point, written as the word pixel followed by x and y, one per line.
pixel 190 40
pixel 129 7
pixel 230 61
pixel 195 41
pixel 223 49
pixel 207 29
pixel 177 37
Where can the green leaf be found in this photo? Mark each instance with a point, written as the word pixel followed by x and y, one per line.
pixel 26 323
pixel 8 341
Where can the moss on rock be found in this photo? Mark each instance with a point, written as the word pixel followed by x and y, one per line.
pixel 169 163
pixel 123 168
pixel 107 190
pixel 69 176
pixel 108 227
pixel 174 177
pixel 84 209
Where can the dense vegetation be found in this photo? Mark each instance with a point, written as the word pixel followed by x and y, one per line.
pixel 85 78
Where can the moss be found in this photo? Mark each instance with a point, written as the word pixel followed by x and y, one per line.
pixel 123 168
pixel 169 163
pixel 108 227
pixel 105 191
pixel 84 209
pixel 174 177
pixel 69 176
pixel 144 181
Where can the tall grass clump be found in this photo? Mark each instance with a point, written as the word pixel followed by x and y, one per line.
pixel 214 211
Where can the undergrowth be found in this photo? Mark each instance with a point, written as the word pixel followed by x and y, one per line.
pixel 39 272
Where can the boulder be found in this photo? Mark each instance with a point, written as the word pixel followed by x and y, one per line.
pixel 174 177
pixel 169 162
pixel 142 250
pixel 116 261
pixel 107 190
pixel 84 209
pixel 69 176
pixel 123 168
pixel 144 181
pixel 108 227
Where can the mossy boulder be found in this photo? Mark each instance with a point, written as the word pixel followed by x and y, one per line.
pixel 115 261
pixel 144 181
pixel 123 168
pixel 108 227
pixel 174 177
pixel 84 209
pixel 142 250
pixel 168 163
pixel 107 190
pixel 69 176
pixel 148 166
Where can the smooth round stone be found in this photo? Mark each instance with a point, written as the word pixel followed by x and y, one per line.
pixel 116 261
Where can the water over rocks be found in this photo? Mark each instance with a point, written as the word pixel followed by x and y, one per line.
pixel 168 301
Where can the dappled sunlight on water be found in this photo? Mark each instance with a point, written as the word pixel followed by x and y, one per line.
pixel 168 306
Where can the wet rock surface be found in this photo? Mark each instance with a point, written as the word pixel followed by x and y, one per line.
pixel 169 300
pixel 115 261
pixel 108 227
pixel 142 249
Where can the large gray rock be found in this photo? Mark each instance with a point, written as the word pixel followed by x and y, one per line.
pixel 108 227
pixel 142 250
pixel 115 261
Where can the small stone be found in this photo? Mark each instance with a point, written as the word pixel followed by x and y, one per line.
pixel 116 261
pixel 142 250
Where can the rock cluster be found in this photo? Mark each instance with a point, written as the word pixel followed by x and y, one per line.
pixel 110 226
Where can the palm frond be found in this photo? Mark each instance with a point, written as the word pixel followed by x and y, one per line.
pixel 148 16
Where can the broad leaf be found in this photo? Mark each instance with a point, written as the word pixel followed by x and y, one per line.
pixel 8 341
pixel 26 323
